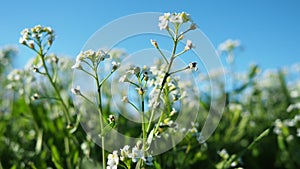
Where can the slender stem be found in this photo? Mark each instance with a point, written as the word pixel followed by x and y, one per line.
pixel 182 52
pixel 66 114
pixel 100 114
pixel 163 84
pixel 101 83
pixel 179 70
pixel 163 55
pixel 134 106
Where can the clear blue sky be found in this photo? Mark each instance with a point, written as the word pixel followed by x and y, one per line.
pixel 269 29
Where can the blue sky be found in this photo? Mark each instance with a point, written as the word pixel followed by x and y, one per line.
pixel 269 30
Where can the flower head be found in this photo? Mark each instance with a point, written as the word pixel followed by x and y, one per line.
pixel 189 45
pixel 37 32
pixel 164 21
pixel 113 160
pixel 229 45
pixel 124 152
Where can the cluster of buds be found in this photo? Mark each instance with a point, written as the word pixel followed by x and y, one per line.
pixel 94 56
pixel 36 36
pixel 174 18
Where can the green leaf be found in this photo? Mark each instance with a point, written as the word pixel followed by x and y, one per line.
pixel 56 158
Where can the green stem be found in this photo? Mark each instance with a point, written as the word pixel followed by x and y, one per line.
pixel 167 74
pixel 100 114
pixel 163 55
pixel 66 114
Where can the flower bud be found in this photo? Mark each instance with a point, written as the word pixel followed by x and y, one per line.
pixel 154 43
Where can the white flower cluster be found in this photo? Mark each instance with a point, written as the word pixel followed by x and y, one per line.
pixel 229 45
pixel 279 125
pixel 36 35
pixel 94 56
pixel 174 18
pixel 194 131
pixel 135 154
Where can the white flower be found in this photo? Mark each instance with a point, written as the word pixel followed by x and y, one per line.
pixel 298 132
pixel 135 70
pixel 164 21
pixel 223 153
pixel 22 40
pixel 176 18
pixel 124 152
pixel 189 45
pixel 229 45
pixel 136 154
pixel 102 55
pixel 76 90
pixel 113 160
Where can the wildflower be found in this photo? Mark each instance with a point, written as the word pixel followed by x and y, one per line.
pixel 154 43
pixel 101 55
pixel 193 65
pixel 136 154
pixel 125 99
pixel 22 40
pixel 189 45
pixel 223 153
pixel 185 17
pixel 36 33
pixel 76 90
pixel 115 65
pixel 298 132
pixel 124 152
pixel 147 73
pixel 164 21
pixel 289 122
pixel 176 18
pixel 278 126
pixel 113 160
pixel 135 70
pixel 229 45
pixel 90 54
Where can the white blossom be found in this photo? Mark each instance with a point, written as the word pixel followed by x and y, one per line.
pixel 164 21
pixel 189 45
pixel 229 45
pixel 113 160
